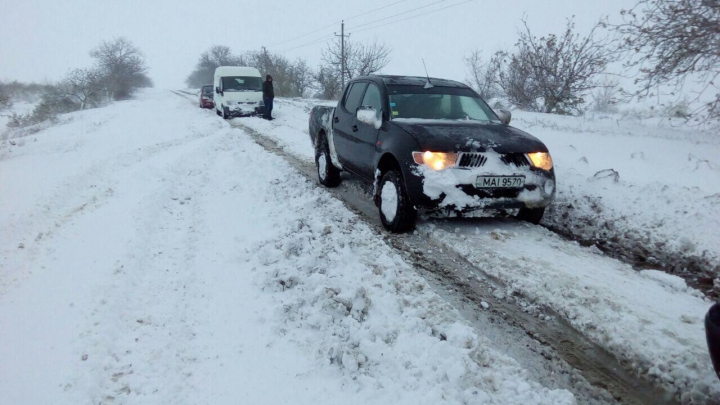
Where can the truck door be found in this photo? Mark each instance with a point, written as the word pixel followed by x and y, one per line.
pixel 344 125
pixel 365 135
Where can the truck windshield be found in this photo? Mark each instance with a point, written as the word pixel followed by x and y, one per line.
pixel 438 103
pixel 241 83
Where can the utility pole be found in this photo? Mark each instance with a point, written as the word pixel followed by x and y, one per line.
pixel 342 53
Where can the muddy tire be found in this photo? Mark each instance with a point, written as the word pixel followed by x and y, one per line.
pixel 397 213
pixel 328 174
pixel 532 215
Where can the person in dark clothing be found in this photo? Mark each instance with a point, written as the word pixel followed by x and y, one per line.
pixel 268 96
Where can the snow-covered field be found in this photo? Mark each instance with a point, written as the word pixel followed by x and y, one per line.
pixel 649 319
pixel 169 259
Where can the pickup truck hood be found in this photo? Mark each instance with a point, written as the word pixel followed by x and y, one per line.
pixel 469 136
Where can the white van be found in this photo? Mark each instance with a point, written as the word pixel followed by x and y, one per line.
pixel 238 91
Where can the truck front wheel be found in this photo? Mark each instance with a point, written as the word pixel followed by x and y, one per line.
pixel 397 213
pixel 328 174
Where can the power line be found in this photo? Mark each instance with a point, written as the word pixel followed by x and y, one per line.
pixel 399 14
pixel 333 24
pixel 302 36
pixel 414 16
pixel 324 38
pixel 372 11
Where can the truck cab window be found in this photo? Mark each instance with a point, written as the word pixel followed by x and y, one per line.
pixel 372 97
pixel 352 100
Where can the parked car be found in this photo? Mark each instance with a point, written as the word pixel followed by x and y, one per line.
pixel 431 145
pixel 206 96
pixel 238 91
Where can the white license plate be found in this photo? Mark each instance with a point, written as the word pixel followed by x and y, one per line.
pixel 500 182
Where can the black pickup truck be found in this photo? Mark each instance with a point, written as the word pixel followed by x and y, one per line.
pixel 432 145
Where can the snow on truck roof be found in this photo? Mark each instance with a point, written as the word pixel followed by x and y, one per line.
pixel 236 71
pixel 418 81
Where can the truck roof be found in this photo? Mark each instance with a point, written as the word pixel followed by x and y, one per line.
pixel 417 81
pixel 236 71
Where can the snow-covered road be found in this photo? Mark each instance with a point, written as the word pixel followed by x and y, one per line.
pixel 649 320
pixel 169 259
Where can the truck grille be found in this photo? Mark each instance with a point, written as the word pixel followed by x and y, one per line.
pixel 473 159
pixel 515 159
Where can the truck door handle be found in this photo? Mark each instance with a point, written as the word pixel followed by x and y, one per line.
pixel 354 128
pixel 336 120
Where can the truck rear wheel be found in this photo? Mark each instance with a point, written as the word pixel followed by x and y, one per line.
pixel 397 213
pixel 328 174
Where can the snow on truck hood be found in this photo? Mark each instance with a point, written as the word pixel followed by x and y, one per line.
pixel 469 136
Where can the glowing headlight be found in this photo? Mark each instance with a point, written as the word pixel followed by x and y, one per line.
pixel 541 160
pixel 436 160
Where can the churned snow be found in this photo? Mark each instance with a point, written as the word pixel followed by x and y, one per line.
pixel 169 259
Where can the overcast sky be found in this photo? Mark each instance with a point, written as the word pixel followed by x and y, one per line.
pixel 43 39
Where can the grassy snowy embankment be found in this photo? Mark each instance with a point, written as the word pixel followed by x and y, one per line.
pixel 166 258
pixel 649 319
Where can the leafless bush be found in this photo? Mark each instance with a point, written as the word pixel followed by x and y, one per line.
pixel 482 76
pixel 552 74
pixel 122 66
pixel 209 60
pixel 360 59
pixel 605 97
pixel 671 42
pixel 53 102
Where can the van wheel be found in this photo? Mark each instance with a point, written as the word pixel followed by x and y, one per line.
pixel 328 174
pixel 532 215
pixel 225 115
pixel 397 213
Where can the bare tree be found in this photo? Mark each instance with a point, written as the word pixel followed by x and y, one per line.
pixel 482 76
pixel 672 41
pixel 5 102
pixel 83 85
pixel 123 67
pixel 290 79
pixel 514 78
pixel 327 83
pixel 301 78
pixel 209 60
pixel 553 73
pixel 360 59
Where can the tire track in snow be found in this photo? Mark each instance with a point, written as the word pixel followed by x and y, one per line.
pixel 145 322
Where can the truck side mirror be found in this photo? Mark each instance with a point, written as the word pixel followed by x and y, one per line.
pixel 504 116
pixel 369 115
pixel 218 91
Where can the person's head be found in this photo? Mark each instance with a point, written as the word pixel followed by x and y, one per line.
pixel 268 78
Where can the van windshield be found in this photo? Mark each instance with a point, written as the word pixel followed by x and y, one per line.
pixel 241 83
